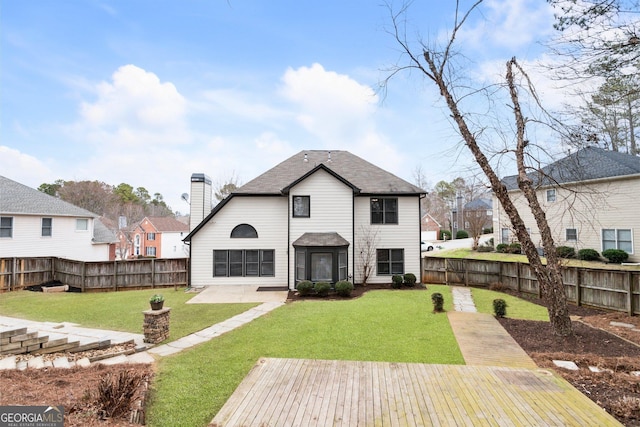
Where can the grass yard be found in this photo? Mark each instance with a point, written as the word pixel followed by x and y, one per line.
pixel 120 311
pixel 393 326
pixel 517 308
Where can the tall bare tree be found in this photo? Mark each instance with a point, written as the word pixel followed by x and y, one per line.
pixel 436 65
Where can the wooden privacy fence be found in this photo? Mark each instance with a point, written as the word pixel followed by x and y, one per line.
pixel 617 290
pixel 18 273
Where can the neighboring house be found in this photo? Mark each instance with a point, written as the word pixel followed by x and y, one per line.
pixel 319 216
pixel 157 237
pixel 478 213
pixel 35 224
pixel 589 198
pixel 429 228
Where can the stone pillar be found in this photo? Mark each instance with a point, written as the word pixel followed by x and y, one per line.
pixel 156 325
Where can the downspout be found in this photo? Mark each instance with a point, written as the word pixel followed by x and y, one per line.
pixel 289 242
pixel 353 239
pixel 420 197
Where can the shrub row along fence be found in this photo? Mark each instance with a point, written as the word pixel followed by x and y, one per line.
pixel 18 273
pixel 617 290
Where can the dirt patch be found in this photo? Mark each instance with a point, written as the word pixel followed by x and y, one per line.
pixel 613 350
pixel 78 390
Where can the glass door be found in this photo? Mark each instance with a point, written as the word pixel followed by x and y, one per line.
pixel 322 267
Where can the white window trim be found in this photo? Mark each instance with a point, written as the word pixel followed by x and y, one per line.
pixel 616 234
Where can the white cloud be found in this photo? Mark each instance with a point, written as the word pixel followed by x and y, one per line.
pixel 509 24
pixel 23 168
pixel 134 109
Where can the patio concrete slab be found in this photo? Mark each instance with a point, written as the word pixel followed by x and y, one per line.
pixel 225 294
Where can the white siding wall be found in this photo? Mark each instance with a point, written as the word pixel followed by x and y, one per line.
pixel 331 210
pixel 268 215
pixel 405 234
pixel 587 208
pixel 65 241
pixel 173 246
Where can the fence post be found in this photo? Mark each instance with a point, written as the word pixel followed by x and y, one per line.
pixel 153 273
pixel 578 287
pixel 115 275
pixel 630 292
pixel 14 277
pixel 518 284
pixel 466 272
pixel 446 271
pixel 84 276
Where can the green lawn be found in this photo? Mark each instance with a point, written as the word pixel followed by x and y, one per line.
pixel 397 326
pixel 120 311
pixel 517 308
pixel 191 386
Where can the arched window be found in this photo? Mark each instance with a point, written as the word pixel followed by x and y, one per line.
pixel 244 231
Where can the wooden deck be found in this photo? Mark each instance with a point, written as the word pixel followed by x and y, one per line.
pixel 296 392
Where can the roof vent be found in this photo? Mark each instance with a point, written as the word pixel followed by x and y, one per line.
pixel 329 157
pixel 306 158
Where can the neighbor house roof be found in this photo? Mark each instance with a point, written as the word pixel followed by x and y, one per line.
pixel 363 176
pixel 18 199
pixel 102 233
pixel 479 204
pixel 587 164
pixel 167 224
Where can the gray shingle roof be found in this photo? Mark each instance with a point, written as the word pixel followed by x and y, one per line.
pixel 332 239
pixel 584 165
pixel 102 233
pixel 479 204
pixel 18 199
pixel 355 171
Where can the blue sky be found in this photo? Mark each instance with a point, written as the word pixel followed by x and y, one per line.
pixel 149 92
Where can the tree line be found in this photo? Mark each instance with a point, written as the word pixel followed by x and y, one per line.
pixel 109 201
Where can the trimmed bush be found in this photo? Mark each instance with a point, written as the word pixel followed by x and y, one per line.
pixel 485 249
pixel 304 288
pixel 588 255
pixel 503 248
pixel 515 248
pixel 487 231
pixel 322 289
pixel 438 302
pixel 410 280
pixel 344 288
pixel 615 256
pixel 396 281
pixel 445 235
pixel 500 307
pixel 565 252
pixel 462 234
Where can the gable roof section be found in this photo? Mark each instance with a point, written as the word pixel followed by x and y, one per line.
pixel 363 177
pixel 587 164
pixel 479 204
pixel 351 169
pixel 18 199
pixel 167 224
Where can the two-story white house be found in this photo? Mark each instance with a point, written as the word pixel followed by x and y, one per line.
pixel 589 198
pixel 35 224
pixel 319 216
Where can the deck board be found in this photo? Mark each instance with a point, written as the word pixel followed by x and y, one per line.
pixel 296 392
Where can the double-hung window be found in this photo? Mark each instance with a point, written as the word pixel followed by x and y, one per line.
pixel 551 195
pixel 6 226
pixel 150 251
pixel 617 238
pixel 390 261
pixel 571 234
pixel 384 210
pixel 47 227
pixel 151 236
pixel 82 224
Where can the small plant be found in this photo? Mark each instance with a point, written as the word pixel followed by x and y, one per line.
pixel 500 307
pixel 344 288
pixel 462 234
pixel 115 392
pixel 396 281
pixel 565 252
pixel 615 256
pixel 588 255
pixel 445 235
pixel 438 302
pixel 410 280
pixel 502 248
pixel 155 299
pixel 305 287
pixel 322 289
